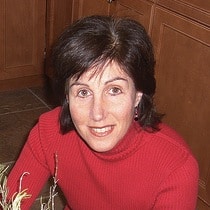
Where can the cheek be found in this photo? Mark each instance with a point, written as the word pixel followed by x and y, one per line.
pixel 124 110
pixel 77 114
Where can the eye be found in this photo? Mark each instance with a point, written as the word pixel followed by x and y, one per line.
pixel 83 93
pixel 115 91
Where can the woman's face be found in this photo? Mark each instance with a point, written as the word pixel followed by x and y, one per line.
pixel 102 106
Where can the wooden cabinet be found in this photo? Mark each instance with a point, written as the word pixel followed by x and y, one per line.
pixel 58 17
pixel 182 48
pixel 139 10
pixel 27 29
pixel 22 42
pixel 197 10
pixel 83 8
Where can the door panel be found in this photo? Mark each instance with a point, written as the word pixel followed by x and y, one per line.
pixel 84 8
pixel 198 10
pixel 22 38
pixel 135 9
pixel 182 49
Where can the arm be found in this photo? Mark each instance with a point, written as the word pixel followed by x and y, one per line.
pixel 180 189
pixel 31 160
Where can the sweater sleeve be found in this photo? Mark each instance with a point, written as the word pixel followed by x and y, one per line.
pixel 32 161
pixel 179 190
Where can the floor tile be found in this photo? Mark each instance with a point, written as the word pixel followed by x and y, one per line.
pixel 16 101
pixel 14 128
pixel 45 95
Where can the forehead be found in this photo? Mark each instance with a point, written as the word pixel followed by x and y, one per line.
pixel 105 72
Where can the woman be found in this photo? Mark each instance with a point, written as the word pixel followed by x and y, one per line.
pixel 112 150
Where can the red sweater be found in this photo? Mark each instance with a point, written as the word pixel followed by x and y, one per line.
pixel 144 171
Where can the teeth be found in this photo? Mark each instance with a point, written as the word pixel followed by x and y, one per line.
pixel 101 130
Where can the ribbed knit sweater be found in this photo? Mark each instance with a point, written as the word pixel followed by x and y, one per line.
pixel 144 171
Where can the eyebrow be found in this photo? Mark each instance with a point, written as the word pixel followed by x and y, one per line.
pixel 116 79
pixel 77 83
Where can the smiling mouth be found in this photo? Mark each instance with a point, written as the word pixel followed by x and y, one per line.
pixel 102 131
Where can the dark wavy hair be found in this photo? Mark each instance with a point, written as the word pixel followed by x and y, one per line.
pixel 95 40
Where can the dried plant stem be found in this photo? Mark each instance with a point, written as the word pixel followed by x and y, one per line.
pixel 50 205
pixel 15 203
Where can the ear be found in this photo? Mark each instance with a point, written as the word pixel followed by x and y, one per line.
pixel 67 98
pixel 138 97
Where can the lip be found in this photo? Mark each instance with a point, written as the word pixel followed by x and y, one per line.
pixel 101 131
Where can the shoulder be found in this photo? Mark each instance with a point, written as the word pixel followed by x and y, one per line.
pixel 51 115
pixel 171 137
pixel 169 148
pixel 49 126
pixel 50 119
pixel 47 133
pixel 46 127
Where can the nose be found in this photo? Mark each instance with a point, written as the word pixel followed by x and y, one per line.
pixel 97 111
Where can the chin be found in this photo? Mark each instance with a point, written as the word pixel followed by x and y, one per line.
pixel 101 148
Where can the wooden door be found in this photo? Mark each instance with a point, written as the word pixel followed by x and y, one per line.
pixel 182 49
pixel 22 41
pixel 59 16
pixel 139 10
pixel 82 8
pixel 198 10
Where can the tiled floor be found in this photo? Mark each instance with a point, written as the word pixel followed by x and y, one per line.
pixel 19 111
